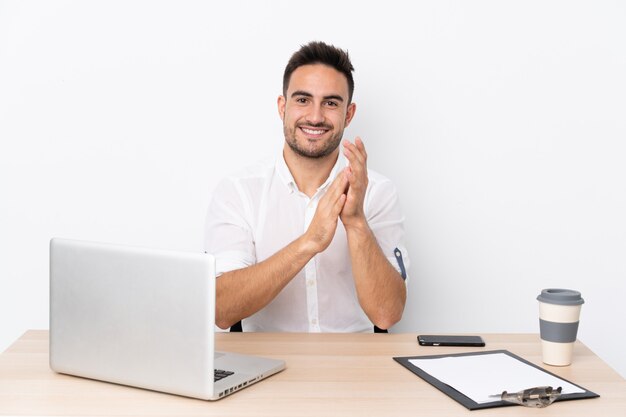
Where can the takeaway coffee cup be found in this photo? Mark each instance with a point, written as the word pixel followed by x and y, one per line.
pixel 559 311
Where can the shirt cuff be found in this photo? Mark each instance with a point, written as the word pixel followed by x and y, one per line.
pixel 231 260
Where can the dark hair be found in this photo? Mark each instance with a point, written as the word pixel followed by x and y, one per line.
pixel 320 53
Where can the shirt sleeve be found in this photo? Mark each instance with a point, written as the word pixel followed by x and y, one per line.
pixel 385 218
pixel 228 232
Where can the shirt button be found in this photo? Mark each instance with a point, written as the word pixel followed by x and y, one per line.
pixel 314 321
pixel 310 283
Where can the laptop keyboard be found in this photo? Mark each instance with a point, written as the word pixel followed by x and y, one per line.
pixel 221 374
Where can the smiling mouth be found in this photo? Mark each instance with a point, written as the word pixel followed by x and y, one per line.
pixel 313 132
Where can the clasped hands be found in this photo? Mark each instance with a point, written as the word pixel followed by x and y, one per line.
pixel 343 200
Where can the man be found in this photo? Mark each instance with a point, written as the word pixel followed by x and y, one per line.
pixel 306 243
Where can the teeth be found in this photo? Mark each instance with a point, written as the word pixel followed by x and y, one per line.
pixel 312 131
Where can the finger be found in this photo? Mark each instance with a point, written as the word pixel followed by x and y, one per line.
pixel 339 204
pixel 360 150
pixel 360 146
pixel 337 187
pixel 353 154
pixel 358 169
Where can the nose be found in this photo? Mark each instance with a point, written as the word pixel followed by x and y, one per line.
pixel 315 115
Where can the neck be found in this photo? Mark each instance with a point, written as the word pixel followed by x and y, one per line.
pixel 309 173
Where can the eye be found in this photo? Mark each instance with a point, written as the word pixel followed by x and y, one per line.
pixel 301 100
pixel 331 103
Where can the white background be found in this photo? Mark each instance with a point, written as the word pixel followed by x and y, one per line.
pixel 502 124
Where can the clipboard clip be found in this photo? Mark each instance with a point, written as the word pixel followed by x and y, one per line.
pixel 538 397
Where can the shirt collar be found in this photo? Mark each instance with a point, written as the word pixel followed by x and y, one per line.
pixel 285 174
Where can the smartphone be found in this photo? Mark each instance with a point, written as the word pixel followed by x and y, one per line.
pixel 432 340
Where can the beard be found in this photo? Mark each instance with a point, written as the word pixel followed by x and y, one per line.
pixel 326 149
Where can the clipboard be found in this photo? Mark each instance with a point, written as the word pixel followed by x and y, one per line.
pixel 467 401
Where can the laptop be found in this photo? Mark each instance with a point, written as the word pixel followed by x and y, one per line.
pixel 143 318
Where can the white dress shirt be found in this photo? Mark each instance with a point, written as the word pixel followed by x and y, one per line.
pixel 259 211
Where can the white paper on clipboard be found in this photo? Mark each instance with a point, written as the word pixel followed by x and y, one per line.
pixel 481 376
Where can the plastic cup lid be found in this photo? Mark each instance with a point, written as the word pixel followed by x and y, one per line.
pixel 560 296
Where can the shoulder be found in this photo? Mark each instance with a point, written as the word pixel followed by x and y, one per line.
pixel 244 188
pixel 381 193
pixel 378 182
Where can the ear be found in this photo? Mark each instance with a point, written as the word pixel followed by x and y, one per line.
pixel 281 102
pixel 350 113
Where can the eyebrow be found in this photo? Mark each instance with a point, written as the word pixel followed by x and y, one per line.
pixel 307 94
